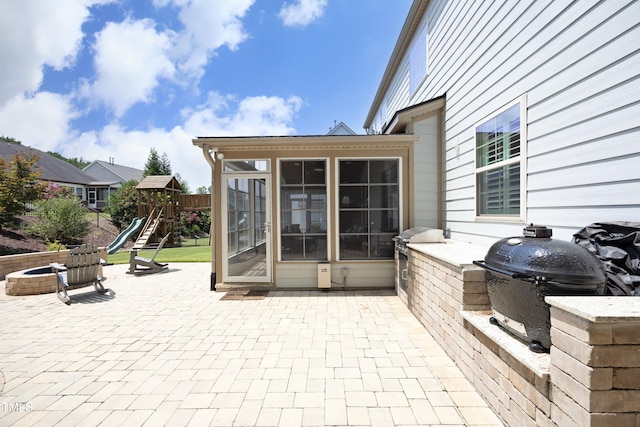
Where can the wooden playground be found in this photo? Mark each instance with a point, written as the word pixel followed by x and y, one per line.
pixel 160 204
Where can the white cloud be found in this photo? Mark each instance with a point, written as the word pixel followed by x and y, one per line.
pixel 302 12
pixel 35 34
pixel 207 27
pixel 256 115
pixel 41 121
pixel 130 59
pixel 132 148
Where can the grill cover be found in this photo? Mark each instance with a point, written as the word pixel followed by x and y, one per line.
pixel 421 235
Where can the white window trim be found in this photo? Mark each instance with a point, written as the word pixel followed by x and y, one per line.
pixel 522 159
pixel 267 170
pixel 336 200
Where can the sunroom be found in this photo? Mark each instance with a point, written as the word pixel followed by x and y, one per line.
pixel 292 212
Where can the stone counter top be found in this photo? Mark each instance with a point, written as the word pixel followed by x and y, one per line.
pixel 600 309
pixel 454 252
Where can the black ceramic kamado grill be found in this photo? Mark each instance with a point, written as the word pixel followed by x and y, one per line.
pixel 523 270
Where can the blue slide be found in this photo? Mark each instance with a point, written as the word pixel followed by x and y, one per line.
pixel 125 235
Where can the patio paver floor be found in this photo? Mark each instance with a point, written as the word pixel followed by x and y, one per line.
pixel 164 350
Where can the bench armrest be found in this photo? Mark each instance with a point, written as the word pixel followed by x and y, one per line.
pixel 57 267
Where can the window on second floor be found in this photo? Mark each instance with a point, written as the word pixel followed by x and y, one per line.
pixel 500 143
pixel 418 60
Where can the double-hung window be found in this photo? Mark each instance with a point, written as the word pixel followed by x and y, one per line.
pixel 369 212
pixel 500 169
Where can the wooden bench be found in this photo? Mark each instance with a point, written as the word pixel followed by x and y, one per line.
pixel 81 269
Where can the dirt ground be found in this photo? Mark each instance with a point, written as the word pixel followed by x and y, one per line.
pixel 16 241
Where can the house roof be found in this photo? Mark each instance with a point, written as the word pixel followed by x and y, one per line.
pixel 404 117
pixel 125 173
pixel 50 168
pixel 159 182
pixel 341 129
pixel 300 142
pixel 418 8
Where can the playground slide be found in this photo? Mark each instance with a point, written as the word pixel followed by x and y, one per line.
pixel 125 235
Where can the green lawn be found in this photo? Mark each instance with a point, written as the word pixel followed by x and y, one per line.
pixel 189 252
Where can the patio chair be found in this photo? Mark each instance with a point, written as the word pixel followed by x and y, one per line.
pixel 140 265
pixel 81 269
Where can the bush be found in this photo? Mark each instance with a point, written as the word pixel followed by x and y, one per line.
pixel 55 246
pixel 194 222
pixel 61 219
pixel 122 205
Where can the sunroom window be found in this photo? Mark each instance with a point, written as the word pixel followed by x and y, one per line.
pixel 369 213
pixel 499 151
pixel 303 210
pixel 238 216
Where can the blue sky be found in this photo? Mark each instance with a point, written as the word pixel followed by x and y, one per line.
pixel 113 78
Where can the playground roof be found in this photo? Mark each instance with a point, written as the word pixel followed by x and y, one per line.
pixel 159 182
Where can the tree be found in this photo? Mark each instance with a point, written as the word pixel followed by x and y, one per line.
pixel 19 185
pixel 203 190
pixel 166 164
pixel 10 140
pixel 80 163
pixel 156 165
pixel 183 184
pixel 123 204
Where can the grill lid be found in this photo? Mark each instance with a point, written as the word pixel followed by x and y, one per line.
pixel 421 235
pixel 536 256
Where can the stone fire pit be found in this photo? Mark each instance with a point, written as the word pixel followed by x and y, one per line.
pixel 32 281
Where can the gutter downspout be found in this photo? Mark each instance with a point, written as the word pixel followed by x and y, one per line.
pixel 207 152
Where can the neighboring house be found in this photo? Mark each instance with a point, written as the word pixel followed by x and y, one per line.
pixel 489 116
pixel 341 129
pixel 108 177
pixel 51 169
pixel 92 185
pixel 526 112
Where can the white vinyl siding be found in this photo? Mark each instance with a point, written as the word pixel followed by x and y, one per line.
pixel 398 97
pixel 425 178
pixel 579 64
